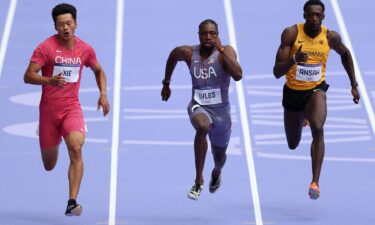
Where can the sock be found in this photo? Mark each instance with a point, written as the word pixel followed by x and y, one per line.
pixel 72 202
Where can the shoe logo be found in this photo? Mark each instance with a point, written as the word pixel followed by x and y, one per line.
pixel 301 41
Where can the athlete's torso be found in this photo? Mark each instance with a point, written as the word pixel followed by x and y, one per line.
pixel 55 60
pixel 309 74
pixel 209 79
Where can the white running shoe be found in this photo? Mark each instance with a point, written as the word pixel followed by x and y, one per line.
pixel 195 191
pixel 73 209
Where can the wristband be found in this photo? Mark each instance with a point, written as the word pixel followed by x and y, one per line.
pixel 354 84
pixel 165 82
pixel 294 59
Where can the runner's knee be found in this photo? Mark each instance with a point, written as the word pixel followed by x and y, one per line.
pixel 48 166
pixel 317 131
pixel 293 140
pixel 49 157
pixel 293 146
pixel 203 127
pixel 75 152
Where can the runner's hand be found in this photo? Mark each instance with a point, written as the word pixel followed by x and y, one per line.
pixel 103 102
pixel 217 43
pixel 355 94
pixel 300 56
pixel 58 81
pixel 165 93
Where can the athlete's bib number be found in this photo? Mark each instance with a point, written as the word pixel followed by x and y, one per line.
pixel 309 72
pixel 69 72
pixel 207 97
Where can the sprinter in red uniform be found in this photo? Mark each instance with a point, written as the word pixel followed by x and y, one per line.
pixel 61 58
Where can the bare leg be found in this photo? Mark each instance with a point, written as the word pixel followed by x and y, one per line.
pixel 293 124
pixel 202 126
pixel 316 113
pixel 74 142
pixel 49 157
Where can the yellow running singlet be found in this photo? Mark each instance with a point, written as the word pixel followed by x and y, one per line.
pixel 309 74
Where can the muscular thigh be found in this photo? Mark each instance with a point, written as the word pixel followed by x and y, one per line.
pixel 74 139
pixel 199 117
pixel 316 108
pixel 293 123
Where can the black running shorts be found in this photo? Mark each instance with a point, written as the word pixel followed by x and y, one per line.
pixel 295 100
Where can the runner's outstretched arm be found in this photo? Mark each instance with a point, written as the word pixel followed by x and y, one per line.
pixel 101 81
pixel 347 61
pixel 181 53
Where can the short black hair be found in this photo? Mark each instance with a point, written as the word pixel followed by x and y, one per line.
pixel 64 8
pixel 313 2
pixel 207 21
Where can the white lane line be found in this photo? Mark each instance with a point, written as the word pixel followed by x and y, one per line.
pixel 265 87
pixel 302 157
pixel 341 120
pixel 308 134
pixel 6 34
pixel 30 130
pixel 168 111
pixel 262 111
pixel 344 107
pixel 265 105
pixel 263 93
pixel 156 117
pixel 330 108
pixel 143 142
pixel 362 87
pixel 328 125
pixel 155 87
pixel 232 146
pixel 245 123
pixel 271 76
pixel 341 101
pixel 116 112
pixel 168 117
pixel 327 140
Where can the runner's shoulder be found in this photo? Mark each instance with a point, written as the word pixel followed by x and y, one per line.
pixel 289 35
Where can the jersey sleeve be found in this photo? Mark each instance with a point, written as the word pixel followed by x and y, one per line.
pixel 39 56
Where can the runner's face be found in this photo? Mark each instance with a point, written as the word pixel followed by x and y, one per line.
pixel 314 17
pixel 207 36
pixel 65 26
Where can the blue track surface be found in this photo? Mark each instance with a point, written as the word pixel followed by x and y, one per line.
pixel 155 148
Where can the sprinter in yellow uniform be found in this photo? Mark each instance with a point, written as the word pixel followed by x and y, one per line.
pixel 302 57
